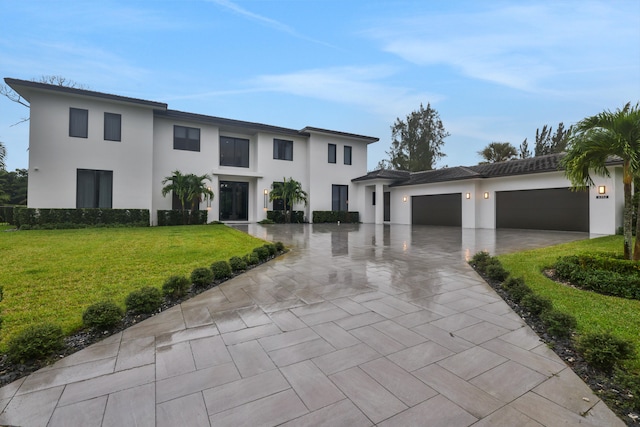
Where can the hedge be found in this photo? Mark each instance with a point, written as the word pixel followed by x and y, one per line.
pixel 335 216
pixel 32 218
pixel 175 217
pixel 278 217
pixel 6 214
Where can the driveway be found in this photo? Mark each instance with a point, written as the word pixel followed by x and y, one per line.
pixel 356 325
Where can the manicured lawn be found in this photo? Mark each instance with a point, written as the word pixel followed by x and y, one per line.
pixel 594 312
pixel 53 275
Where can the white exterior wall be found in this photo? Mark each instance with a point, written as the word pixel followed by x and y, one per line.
pixel 54 156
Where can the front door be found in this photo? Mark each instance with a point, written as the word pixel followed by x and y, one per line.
pixel 234 201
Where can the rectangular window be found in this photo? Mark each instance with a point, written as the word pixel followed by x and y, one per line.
pixel 234 152
pixel 332 153
pixel 339 197
pixel 373 198
pixel 94 189
pixel 78 122
pixel 282 149
pixel 347 155
pixel 186 138
pixel 112 126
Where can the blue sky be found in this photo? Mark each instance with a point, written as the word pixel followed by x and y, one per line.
pixel 494 70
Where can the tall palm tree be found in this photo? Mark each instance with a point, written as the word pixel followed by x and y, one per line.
pixel 178 185
pixel 498 152
pixel 593 141
pixel 188 188
pixel 197 188
pixel 3 155
pixel 290 192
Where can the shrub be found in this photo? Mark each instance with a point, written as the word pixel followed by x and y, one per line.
pixel 176 287
pixel 495 271
pixel 335 216
pixel 558 324
pixel 536 304
pixel 35 342
pixel 279 246
pixel 604 351
pixel 266 221
pixel 480 260
pixel 511 282
pixel 252 259
pixel 262 253
pixel 519 291
pixel 102 315
pixel 221 270
pixel 271 248
pixel 201 277
pixel 237 264
pixel 145 300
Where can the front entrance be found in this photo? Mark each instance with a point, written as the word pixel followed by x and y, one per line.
pixel 234 201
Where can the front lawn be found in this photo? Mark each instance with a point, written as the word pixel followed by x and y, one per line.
pixel 594 312
pixel 53 275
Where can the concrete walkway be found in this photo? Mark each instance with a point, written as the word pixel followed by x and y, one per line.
pixel 357 325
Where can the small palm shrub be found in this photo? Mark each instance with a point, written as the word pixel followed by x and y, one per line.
pixel 604 351
pixel 221 270
pixel 558 324
pixel 102 315
pixel 176 287
pixel 262 253
pixel 536 304
pixel 201 277
pixel 145 300
pixel 35 342
pixel 237 264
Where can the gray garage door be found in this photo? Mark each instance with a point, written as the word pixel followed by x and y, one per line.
pixel 549 209
pixel 440 209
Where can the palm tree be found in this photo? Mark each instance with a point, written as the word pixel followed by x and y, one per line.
pixel 3 155
pixel 187 188
pixel 498 152
pixel 290 192
pixel 197 188
pixel 593 141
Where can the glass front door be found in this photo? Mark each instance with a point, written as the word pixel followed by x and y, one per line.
pixel 234 201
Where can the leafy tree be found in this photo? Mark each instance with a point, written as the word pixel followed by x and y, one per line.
pixel 523 151
pixel 593 141
pixel 290 192
pixel 546 143
pixel 498 152
pixel 197 188
pixel 3 155
pixel 417 140
pixel 13 187
pixel 188 188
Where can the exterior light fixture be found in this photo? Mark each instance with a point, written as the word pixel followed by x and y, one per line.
pixel 468 196
pixel 405 198
pixel 486 194
pixel 266 198
pixel 602 189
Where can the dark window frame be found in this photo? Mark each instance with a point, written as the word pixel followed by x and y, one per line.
pixel 97 199
pixel 332 153
pixel 78 122
pixel 348 159
pixel 237 158
pixel 187 142
pixel 112 127
pixel 339 197
pixel 282 149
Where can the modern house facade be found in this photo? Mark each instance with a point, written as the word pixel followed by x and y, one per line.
pixel 92 149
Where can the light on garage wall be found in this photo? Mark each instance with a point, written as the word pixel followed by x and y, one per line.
pixel 602 189
pixel 405 198
pixel 468 195
pixel 486 194
pixel 266 199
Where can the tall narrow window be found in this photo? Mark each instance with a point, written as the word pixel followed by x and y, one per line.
pixel 332 153
pixel 234 152
pixel 339 197
pixel 347 155
pixel 94 189
pixel 112 127
pixel 186 138
pixel 78 122
pixel 282 149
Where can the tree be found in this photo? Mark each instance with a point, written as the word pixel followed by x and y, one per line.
pixel 197 188
pixel 13 187
pixel 3 155
pixel 523 151
pixel 546 143
pixel 188 188
pixel 498 152
pixel 290 192
pixel 417 141
pixel 594 140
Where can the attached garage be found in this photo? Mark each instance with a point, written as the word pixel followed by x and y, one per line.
pixel 440 209
pixel 547 209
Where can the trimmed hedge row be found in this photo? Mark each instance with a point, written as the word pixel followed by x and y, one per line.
pixel 6 214
pixel 335 216
pixel 175 217
pixel 33 218
pixel 297 217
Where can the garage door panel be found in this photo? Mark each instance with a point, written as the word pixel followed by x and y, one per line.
pixel 547 209
pixel 440 209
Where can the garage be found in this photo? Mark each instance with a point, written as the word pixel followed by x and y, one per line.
pixel 548 209
pixel 439 209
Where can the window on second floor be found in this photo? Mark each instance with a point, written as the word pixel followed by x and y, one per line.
pixel 234 152
pixel 332 153
pixel 78 122
pixel 112 127
pixel 347 155
pixel 186 138
pixel 282 149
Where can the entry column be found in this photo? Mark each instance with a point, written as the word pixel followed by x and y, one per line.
pixel 379 204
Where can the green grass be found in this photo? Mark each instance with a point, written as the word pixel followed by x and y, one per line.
pixel 53 275
pixel 594 312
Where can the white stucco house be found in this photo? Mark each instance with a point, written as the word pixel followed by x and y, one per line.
pixel 93 149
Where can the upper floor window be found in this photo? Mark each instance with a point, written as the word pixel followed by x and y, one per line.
pixel 234 152
pixel 186 138
pixel 282 149
pixel 112 127
pixel 78 122
pixel 347 155
pixel 332 153
pixel 94 188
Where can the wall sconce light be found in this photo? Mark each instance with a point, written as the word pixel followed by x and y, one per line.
pixel 486 194
pixel 468 196
pixel 602 189
pixel 266 198
pixel 404 199
pixel 208 199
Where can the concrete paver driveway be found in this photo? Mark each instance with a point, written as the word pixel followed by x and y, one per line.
pixel 357 325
